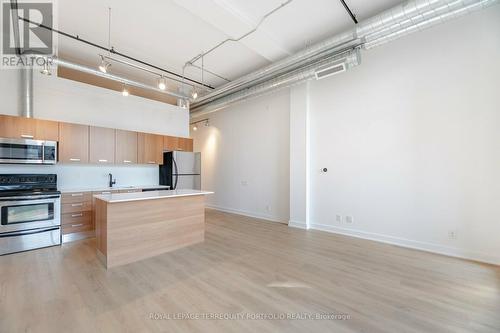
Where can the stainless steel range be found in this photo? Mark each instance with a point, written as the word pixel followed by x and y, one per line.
pixel 30 212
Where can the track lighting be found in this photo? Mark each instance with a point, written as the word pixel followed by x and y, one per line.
pixel 46 69
pixel 104 65
pixel 125 91
pixel 194 94
pixel 162 83
pixel 195 124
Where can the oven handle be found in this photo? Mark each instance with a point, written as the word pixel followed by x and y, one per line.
pixel 27 232
pixel 31 197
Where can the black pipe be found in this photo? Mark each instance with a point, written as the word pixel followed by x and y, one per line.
pixel 351 14
pixel 112 50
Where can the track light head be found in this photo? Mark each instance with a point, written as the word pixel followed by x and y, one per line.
pixel 125 91
pixel 194 94
pixel 46 69
pixel 162 83
pixel 207 123
pixel 104 65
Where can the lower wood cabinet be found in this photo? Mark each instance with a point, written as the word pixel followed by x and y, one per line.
pixel 76 215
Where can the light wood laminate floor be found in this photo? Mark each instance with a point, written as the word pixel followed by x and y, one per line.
pixel 250 267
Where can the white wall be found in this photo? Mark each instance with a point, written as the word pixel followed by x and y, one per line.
pixel 70 101
pixel 245 157
pixel 411 139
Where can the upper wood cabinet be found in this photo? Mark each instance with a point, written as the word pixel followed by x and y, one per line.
pixel 28 128
pixel 172 143
pixel 73 143
pixel 149 148
pixel 126 147
pixel 102 145
pixel 46 130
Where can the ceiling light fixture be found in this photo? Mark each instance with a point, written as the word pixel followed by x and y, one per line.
pixel 194 94
pixel 125 91
pixel 46 68
pixel 195 124
pixel 104 65
pixel 162 83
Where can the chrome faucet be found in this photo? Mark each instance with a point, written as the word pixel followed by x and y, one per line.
pixel 111 180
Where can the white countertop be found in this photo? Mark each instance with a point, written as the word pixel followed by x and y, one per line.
pixel 152 195
pixel 114 188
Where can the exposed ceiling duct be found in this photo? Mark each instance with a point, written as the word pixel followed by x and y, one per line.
pixel 109 76
pixel 397 22
pixel 26 94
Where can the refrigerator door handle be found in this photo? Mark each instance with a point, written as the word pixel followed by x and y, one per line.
pixel 176 174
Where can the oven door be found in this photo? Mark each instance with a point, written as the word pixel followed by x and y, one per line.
pixel 30 212
pixel 24 151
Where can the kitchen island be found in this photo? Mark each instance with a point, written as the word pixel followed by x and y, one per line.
pixel 136 226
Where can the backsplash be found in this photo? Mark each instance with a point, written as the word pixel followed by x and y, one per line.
pixel 83 176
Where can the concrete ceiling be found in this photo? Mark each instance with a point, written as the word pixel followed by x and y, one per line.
pixel 168 33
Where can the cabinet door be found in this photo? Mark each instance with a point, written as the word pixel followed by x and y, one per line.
pixel 150 148
pixel 126 147
pixel 170 143
pixel 47 130
pixel 17 127
pixel 73 143
pixel 186 144
pixel 102 145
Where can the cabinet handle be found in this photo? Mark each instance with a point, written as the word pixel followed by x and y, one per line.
pixel 127 161
pixel 77 205
pixel 77 215
pixel 151 162
pixel 77 194
pixel 74 159
pixel 103 161
pixel 26 136
pixel 105 192
pixel 77 225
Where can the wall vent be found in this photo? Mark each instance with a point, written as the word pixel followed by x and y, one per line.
pixel 321 73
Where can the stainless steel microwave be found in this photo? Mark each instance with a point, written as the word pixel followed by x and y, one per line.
pixel 26 151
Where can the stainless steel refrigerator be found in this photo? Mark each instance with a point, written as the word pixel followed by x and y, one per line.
pixel 181 170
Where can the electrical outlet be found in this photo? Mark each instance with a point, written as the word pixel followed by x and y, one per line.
pixel 452 234
pixel 349 219
pixel 338 219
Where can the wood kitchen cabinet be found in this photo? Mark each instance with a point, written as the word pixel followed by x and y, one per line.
pixel 102 145
pixel 149 148
pixel 73 143
pixel 46 130
pixel 172 143
pixel 126 147
pixel 28 128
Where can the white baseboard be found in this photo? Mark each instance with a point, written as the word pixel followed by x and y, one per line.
pixel 417 245
pixel 247 213
pixel 298 224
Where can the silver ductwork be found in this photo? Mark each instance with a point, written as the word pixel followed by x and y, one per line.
pixel 26 95
pixel 392 24
pixel 127 82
